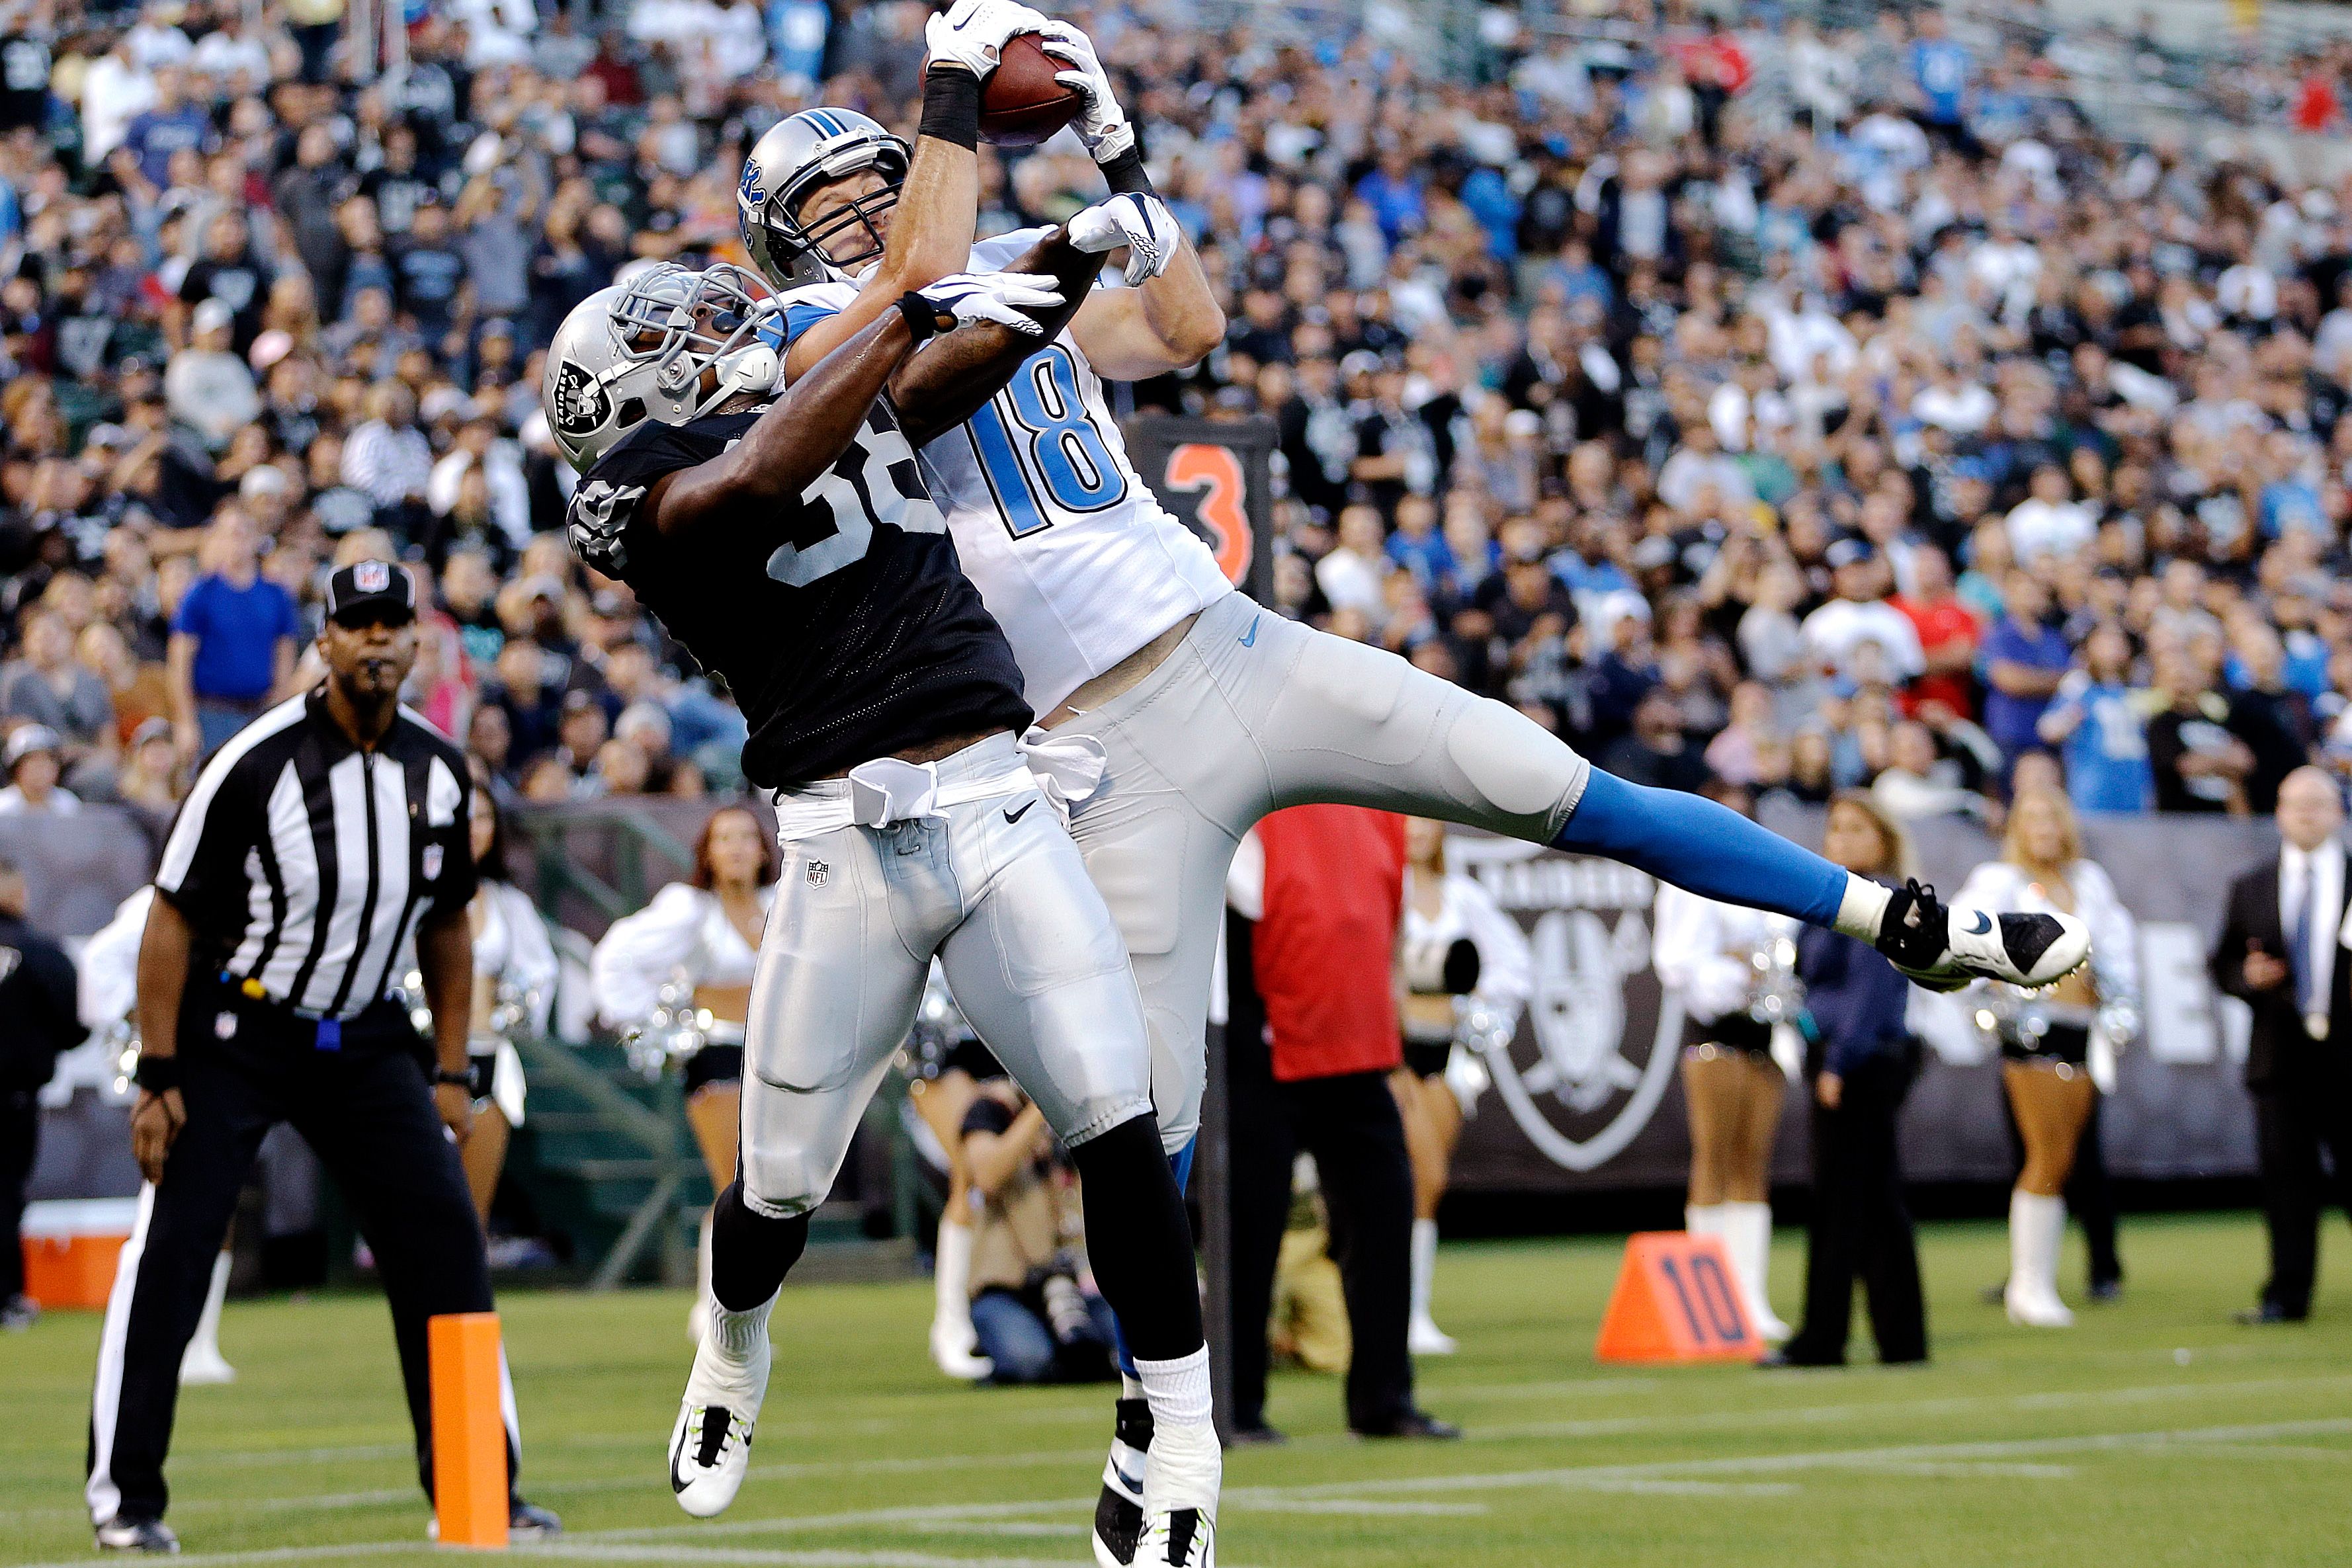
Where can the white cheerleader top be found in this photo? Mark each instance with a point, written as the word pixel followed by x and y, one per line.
pixel 683 932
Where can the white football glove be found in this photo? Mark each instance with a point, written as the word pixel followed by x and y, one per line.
pixel 1103 127
pixel 999 296
pixel 1142 224
pixel 970 33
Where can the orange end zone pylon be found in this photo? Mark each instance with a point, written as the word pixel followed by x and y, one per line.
pixel 1676 1301
pixel 469 1433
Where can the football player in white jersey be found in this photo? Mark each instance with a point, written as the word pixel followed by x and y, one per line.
pixel 1212 710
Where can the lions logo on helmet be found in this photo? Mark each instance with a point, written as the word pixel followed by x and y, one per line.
pixel 799 154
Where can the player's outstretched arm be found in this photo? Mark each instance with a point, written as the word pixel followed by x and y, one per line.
pixel 1166 319
pixel 931 226
pixel 948 379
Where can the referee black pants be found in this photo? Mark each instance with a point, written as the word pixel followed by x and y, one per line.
pixel 366 1110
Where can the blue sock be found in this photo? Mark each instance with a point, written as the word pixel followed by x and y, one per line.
pixel 1702 848
pixel 1182 1162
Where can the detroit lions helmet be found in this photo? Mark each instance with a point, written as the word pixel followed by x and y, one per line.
pixel 799 153
pixel 638 350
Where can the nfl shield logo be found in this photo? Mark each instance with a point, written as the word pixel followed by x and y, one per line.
pixel 371 577
pixel 433 863
pixel 817 873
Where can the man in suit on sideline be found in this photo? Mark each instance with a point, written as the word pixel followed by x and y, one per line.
pixel 2281 952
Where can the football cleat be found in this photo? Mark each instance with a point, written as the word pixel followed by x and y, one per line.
pixel 1119 1511
pixel 709 1449
pixel 1942 949
pixel 119 1534
pixel 1180 1538
pixel 711 1446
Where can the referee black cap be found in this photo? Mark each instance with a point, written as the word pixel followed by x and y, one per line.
pixel 371 591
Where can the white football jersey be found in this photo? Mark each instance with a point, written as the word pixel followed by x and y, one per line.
pixel 1071 551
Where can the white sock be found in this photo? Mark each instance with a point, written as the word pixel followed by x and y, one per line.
pixel 951 1283
pixel 1187 1465
pixel 731 1363
pixel 1703 1219
pixel 206 1340
pixel 1748 1237
pixel 1424 1264
pixel 740 1334
pixel 1862 910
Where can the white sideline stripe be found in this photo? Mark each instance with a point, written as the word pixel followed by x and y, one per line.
pixel 1954 1404
pixel 1347 1505
pixel 614 1545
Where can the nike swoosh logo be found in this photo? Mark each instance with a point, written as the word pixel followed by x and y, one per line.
pixel 1250 639
pixel 1984 924
pixel 1132 1483
pixel 1013 816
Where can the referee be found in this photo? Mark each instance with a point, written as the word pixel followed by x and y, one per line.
pixel 318 844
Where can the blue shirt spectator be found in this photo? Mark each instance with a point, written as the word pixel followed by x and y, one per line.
pixel 2024 660
pixel 2100 727
pixel 1940 69
pixel 233 639
pixel 172 125
pixel 1393 191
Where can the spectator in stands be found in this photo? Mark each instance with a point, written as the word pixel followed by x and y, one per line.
pixel 33 759
pixel 46 686
pixel 2099 722
pixel 2026 660
pixel 233 640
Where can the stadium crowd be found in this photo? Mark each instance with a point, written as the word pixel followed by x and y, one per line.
pixel 1811 408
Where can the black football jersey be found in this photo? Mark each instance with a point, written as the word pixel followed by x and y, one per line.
pixel 843 622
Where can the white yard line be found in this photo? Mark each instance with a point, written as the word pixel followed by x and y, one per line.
pixel 628 1545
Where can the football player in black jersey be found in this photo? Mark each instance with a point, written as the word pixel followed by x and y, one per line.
pixel 788 542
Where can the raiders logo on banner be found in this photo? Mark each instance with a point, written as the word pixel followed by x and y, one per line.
pixel 1594 1055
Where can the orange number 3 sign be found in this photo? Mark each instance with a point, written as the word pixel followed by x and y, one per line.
pixel 1216 473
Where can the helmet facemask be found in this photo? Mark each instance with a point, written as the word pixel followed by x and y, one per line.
pixel 857 212
pixel 679 323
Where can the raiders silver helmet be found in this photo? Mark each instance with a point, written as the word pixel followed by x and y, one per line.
pixel 638 350
pixel 799 153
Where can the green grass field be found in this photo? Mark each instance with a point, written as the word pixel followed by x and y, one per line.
pixel 2155 1433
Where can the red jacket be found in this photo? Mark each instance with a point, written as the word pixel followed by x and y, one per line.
pixel 1324 950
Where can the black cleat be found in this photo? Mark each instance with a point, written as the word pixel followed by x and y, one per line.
pixel 1412 1423
pixel 1118 1508
pixel 120 1534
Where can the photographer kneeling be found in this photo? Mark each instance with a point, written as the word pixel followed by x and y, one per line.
pixel 1034 1302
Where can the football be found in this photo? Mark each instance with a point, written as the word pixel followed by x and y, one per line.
pixel 1022 104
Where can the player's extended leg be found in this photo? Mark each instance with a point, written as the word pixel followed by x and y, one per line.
pixel 1039 972
pixel 1338 721
pixel 834 993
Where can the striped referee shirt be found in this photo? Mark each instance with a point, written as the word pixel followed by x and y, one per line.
pixel 303 864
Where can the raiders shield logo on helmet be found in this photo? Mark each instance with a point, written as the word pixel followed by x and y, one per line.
pixel 580 405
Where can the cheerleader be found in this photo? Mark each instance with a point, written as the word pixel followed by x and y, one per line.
pixel 515 973
pixel 2054 1042
pixel 951 1065
pixel 1731 966
pixel 1454 941
pixel 107 987
pixel 705 934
